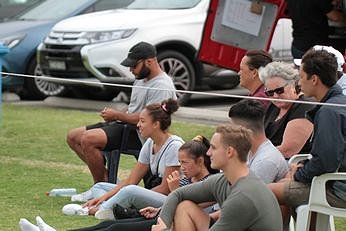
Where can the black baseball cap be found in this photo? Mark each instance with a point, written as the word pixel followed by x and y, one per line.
pixel 142 50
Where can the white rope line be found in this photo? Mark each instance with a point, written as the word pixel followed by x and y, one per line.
pixel 180 91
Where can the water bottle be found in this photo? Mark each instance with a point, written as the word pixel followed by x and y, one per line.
pixel 62 192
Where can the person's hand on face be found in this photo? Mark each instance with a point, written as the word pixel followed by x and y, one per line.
pixel 173 180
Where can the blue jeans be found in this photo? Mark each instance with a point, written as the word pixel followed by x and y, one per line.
pixel 130 195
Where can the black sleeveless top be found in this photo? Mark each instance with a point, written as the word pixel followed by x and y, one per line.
pixel 275 129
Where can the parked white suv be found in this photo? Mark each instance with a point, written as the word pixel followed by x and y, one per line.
pixel 90 47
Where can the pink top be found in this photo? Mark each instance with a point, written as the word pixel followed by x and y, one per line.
pixel 260 93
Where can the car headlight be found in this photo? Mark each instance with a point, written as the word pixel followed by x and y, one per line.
pixel 12 41
pixel 104 36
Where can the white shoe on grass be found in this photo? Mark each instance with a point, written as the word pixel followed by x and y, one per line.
pixel 104 214
pixel 42 225
pixel 82 197
pixel 75 209
pixel 26 225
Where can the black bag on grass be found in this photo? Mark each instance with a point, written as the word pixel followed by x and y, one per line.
pixel 120 212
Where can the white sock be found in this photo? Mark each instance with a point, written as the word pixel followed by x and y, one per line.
pixel 42 225
pixel 26 225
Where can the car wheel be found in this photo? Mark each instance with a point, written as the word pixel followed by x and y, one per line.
pixel 41 89
pixel 180 68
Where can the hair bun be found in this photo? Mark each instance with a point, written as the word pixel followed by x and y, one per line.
pixel 164 107
pixel 198 138
pixel 169 106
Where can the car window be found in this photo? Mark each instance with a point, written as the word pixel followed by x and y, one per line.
pixel 111 4
pixel 107 5
pixel 10 8
pixel 163 4
pixel 52 9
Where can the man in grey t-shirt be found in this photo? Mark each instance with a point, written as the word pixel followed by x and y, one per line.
pixel 152 85
pixel 265 160
pixel 246 203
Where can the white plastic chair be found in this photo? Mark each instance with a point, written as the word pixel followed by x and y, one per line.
pixel 296 158
pixel 317 202
pixel 293 160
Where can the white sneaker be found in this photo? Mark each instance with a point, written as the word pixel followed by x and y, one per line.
pixel 82 197
pixel 43 226
pixel 104 214
pixel 26 225
pixel 74 209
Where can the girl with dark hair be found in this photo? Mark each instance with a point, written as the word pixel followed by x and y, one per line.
pixel 158 156
pixel 195 166
pixel 194 162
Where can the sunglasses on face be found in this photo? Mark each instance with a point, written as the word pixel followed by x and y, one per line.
pixel 279 91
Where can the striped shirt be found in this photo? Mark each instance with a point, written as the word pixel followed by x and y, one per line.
pixel 186 181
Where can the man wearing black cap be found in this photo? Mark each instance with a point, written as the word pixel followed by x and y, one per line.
pixel 88 142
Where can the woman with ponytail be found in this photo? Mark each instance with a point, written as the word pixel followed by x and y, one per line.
pixel 158 158
pixel 195 166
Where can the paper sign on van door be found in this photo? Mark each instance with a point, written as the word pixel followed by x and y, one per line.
pixel 238 15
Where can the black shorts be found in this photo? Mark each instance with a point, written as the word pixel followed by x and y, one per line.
pixel 114 131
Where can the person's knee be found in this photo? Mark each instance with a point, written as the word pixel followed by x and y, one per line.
pixel 98 186
pixel 74 136
pixel 185 206
pixel 129 190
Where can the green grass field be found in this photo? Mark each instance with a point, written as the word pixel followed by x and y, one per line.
pixel 35 158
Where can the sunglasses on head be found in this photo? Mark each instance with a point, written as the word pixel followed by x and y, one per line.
pixel 279 91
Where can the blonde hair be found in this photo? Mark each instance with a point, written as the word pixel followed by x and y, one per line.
pixel 236 136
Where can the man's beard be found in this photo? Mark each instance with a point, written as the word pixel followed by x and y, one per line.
pixel 144 73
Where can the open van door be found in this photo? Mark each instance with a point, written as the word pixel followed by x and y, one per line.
pixel 234 26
